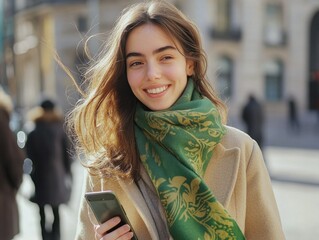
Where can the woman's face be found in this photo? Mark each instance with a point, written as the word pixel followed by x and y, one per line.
pixel 156 68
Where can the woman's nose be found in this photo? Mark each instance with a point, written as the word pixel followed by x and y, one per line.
pixel 153 71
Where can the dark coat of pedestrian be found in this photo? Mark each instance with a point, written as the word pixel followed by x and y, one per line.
pixel 11 172
pixel 48 148
pixel 293 117
pixel 253 117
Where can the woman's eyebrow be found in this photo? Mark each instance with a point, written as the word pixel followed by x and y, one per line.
pixel 161 49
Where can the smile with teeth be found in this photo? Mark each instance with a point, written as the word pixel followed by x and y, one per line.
pixel 157 90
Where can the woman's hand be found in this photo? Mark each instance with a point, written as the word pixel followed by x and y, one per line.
pixel 120 233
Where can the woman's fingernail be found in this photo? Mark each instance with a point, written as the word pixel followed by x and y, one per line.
pixel 127 227
pixel 117 220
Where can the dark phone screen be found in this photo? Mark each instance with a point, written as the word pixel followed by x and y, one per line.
pixel 106 206
pixel 105 209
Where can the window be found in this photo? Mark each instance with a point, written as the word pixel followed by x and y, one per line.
pixel 273 25
pixel 227 21
pixel 223 15
pixel 273 80
pixel 224 77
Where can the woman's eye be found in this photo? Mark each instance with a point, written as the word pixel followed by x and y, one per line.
pixel 134 64
pixel 167 57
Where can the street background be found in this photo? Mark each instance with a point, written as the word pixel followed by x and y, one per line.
pixel 293 162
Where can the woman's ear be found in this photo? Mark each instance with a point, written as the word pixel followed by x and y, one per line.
pixel 189 67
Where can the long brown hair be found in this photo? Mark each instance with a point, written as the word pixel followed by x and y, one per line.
pixel 104 118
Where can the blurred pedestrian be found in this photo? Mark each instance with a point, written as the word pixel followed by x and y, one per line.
pixel 47 146
pixel 293 118
pixel 253 117
pixel 11 172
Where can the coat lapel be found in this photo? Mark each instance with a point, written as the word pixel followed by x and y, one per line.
pixel 137 200
pixel 221 173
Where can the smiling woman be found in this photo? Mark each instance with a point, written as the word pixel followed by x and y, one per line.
pixel 153 130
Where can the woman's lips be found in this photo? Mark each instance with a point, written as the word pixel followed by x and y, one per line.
pixel 157 90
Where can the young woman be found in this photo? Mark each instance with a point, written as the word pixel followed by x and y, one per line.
pixel 154 132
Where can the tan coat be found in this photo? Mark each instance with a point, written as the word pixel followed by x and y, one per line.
pixel 237 176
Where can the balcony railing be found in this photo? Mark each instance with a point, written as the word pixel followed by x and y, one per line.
pixel 229 35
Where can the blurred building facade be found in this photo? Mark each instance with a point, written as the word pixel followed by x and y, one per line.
pixel 267 47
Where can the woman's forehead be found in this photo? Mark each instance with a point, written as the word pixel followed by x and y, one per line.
pixel 148 34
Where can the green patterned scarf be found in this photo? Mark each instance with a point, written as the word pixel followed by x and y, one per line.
pixel 175 146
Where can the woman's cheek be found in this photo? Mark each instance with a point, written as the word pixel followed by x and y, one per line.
pixel 173 71
pixel 135 77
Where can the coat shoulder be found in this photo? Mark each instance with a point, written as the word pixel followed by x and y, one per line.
pixel 235 137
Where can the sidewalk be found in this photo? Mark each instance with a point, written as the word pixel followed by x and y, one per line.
pixel 295 180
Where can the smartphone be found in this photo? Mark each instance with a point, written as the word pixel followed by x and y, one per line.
pixel 105 205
